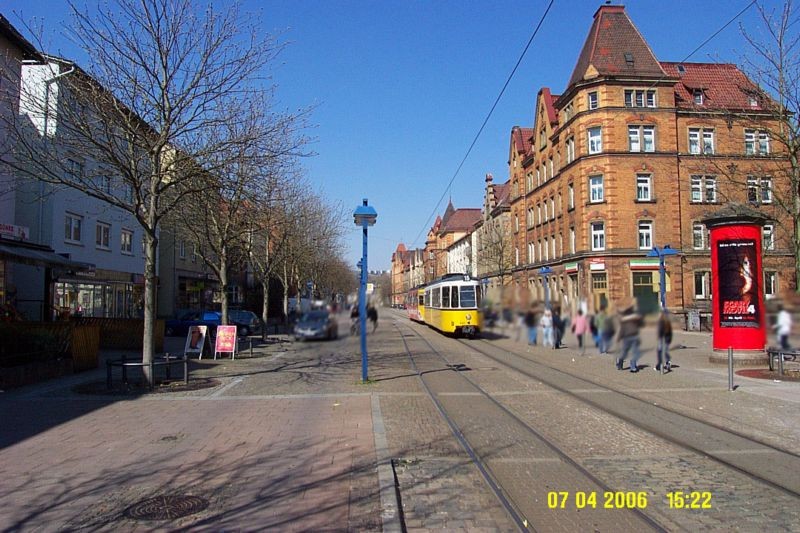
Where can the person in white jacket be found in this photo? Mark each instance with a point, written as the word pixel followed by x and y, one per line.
pixel 784 328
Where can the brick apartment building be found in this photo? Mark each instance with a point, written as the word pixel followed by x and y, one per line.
pixel 632 155
pixel 446 230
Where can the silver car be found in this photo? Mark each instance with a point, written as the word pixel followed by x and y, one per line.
pixel 318 324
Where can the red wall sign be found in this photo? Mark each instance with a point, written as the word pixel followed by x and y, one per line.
pixel 738 299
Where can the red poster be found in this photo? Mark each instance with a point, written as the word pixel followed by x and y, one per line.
pixel 226 339
pixel 738 284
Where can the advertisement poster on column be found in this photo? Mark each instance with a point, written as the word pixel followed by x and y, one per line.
pixel 738 284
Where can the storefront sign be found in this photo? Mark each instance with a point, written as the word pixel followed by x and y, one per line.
pixel 226 341
pixel 195 339
pixel 644 264
pixel 15 232
pixel 597 264
pixel 571 267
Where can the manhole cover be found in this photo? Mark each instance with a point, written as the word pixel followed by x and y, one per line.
pixel 166 507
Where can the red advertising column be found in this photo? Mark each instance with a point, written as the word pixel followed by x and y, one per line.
pixel 737 294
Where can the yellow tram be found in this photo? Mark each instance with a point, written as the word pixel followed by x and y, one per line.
pixel 452 305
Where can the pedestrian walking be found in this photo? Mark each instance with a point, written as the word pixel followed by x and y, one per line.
pixel 629 326
pixel 593 330
pixel 558 328
pixel 579 327
pixel 784 328
pixel 520 324
pixel 372 315
pixel 605 330
pixel 530 323
pixel 547 328
pixel 664 329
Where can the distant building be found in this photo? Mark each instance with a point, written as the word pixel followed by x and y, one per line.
pixel 446 230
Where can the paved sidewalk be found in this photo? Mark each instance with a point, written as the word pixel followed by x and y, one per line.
pixel 289 440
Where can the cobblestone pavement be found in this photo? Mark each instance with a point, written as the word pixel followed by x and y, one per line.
pixel 627 458
pixel 286 441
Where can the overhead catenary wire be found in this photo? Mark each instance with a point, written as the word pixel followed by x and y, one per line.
pixel 485 121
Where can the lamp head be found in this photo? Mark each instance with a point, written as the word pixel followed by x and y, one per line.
pixel 365 215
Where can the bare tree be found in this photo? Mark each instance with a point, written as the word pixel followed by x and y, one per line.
pixel 221 216
pixel 163 77
pixel 314 235
pixel 774 65
pixel 495 253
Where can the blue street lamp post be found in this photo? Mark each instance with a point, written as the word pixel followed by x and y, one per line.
pixel 662 253
pixel 364 216
pixel 544 272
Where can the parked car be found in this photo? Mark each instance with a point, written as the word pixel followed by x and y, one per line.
pixel 179 327
pixel 247 321
pixel 317 324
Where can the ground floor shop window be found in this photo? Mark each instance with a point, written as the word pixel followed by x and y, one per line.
pixel 99 299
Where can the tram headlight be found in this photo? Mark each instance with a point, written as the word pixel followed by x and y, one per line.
pixel 468 316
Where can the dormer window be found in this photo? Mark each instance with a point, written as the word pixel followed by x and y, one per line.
pixel 697 95
pixel 629 59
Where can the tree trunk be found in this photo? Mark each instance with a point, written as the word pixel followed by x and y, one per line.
pixel 285 283
pixel 150 282
pixel 265 308
pixel 223 281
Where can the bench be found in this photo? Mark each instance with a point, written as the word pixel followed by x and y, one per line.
pixel 166 361
pixel 780 355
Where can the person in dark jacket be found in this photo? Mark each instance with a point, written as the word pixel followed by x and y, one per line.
pixel 629 325
pixel 372 315
pixel 530 323
pixel 558 328
pixel 664 340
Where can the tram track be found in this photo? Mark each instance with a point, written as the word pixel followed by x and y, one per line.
pixel 724 446
pixel 519 504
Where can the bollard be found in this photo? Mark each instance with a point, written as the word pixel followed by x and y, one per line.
pixel 780 362
pixel 124 371
pixel 251 346
pixel 730 368
pixel 185 369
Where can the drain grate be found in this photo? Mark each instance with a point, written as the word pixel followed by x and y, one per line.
pixel 166 507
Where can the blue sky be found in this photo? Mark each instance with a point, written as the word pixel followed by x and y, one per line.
pixel 400 88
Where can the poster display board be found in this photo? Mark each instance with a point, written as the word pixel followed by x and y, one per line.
pixel 738 284
pixel 195 338
pixel 226 341
pixel 738 303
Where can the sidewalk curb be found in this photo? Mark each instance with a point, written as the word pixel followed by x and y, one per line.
pixel 390 515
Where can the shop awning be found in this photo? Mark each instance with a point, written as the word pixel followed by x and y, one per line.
pixel 36 255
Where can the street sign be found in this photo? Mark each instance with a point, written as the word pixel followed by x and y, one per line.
pixel 370 288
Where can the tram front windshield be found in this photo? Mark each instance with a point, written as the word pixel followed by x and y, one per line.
pixel 468 297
